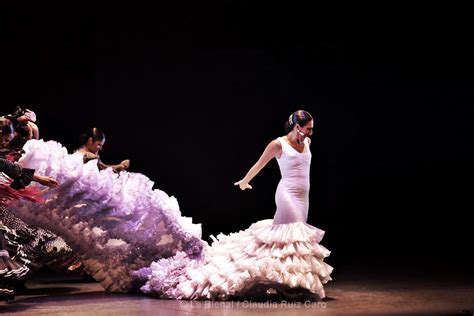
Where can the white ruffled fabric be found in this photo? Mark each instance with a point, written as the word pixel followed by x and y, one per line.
pixel 277 256
pixel 117 223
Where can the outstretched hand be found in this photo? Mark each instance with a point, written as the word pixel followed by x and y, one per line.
pixel 125 164
pixel 122 166
pixel 243 185
pixel 47 181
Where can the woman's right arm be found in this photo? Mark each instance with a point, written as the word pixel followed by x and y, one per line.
pixel 23 176
pixel 271 151
pixel 46 181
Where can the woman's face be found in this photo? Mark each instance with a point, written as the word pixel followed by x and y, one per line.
pixel 306 130
pixel 5 138
pixel 94 146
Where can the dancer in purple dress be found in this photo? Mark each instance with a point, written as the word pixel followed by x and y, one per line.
pixel 92 142
pixel 113 219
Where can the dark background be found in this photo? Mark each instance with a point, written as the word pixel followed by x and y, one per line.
pixel 192 94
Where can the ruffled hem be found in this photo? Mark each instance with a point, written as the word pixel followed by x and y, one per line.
pixel 116 223
pixel 237 263
pixel 10 268
pixel 7 194
pixel 6 293
pixel 268 233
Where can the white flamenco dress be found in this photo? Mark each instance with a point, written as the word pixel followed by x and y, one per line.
pixel 280 256
pixel 116 223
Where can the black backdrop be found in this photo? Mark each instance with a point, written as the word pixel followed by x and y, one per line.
pixel 193 93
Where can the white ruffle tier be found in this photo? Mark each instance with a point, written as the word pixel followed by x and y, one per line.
pixel 286 255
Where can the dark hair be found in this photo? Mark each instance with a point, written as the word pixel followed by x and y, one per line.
pixel 16 114
pixel 94 133
pixel 299 117
pixel 6 126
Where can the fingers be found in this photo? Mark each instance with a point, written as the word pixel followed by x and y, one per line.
pixel 125 163
pixel 247 186
pixel 50 182
pixel 243 186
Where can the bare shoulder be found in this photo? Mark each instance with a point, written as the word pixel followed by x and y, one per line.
pixel 275 144
pixel 274 148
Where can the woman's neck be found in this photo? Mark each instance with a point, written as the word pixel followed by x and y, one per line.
pixel 83 149
pixel 293 138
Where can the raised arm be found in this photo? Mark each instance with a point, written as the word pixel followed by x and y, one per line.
pixel 117 168
pixel 271 151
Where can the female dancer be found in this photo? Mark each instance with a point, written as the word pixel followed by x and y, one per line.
pixel 116 222
pixel 21 246
pixel 91 143
pixel 24 125
pixel 280 256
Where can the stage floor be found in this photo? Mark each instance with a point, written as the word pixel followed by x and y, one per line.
pixel 441 290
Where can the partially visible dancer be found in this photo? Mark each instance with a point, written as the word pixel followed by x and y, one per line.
pixel 21 246
pixel 92 142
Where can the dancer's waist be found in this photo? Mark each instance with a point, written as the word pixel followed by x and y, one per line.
pixel 295 177
pixel 296 182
